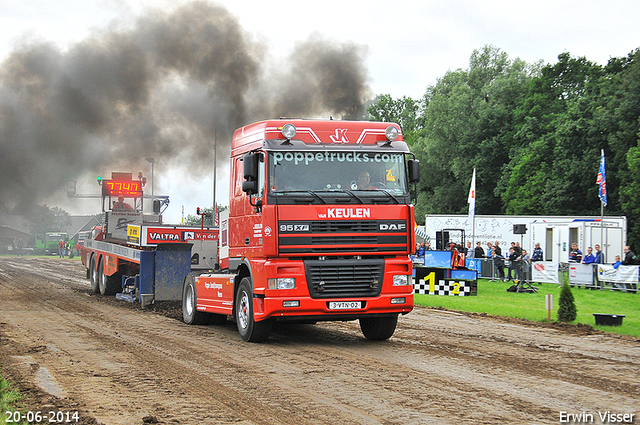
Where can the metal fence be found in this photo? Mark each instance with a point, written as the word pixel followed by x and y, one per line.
pixel 593 276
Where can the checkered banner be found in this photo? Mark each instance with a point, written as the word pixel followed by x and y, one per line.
pixel 460 288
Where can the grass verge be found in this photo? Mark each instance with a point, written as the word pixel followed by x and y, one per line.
pixel 494 299
pixel 9 401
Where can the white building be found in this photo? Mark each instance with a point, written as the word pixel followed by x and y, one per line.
pixel 555 233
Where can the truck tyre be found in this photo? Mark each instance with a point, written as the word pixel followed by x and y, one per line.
pixel 250 330
pixel 378 328
pixel 190 314
pixel 93 270
pixel 108 284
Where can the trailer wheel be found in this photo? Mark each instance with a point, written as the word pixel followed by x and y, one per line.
pixel 379 328
pixel 95 286
pixel 250 330
pixel 190 314
pixel 108 284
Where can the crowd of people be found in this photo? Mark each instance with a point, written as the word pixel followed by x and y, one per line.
pixel 518 258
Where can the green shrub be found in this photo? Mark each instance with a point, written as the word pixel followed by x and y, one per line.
pixel 567 311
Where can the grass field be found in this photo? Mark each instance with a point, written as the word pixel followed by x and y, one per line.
pixel 494 299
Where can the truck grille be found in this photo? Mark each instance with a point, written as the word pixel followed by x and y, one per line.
pixel 347 236
pixel 344 278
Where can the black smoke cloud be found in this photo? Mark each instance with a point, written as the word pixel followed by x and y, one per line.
pixel 165 88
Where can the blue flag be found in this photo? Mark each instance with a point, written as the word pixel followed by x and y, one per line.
pixel 602 181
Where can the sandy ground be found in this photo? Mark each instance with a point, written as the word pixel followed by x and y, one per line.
pixel 114 363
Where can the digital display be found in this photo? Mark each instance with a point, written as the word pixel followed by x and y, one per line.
pixel 127 188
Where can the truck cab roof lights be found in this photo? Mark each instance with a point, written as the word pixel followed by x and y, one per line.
pixel 289 131
pixel 391 133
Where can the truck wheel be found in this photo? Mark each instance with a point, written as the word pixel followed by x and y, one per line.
pixel 250 330
pixel 95 286
pixel 190 314
pixel 378 328
pixel 108 284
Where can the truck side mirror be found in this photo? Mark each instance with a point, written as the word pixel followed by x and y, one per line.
pixel 250 164
pixel 414 170
pixel 250 169
pixel 250 187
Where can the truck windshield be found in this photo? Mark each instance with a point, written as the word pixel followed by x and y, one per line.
pixel 360 172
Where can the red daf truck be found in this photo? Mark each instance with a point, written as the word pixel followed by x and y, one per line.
pixel 319 227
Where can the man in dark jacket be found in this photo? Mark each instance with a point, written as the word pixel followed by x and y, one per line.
pixel 629 257
pixel 513 263
pixel 479 252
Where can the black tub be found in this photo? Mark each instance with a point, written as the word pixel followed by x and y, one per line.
pixel 608 319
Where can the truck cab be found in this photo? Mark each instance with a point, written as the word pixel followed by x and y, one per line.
pixel 320 225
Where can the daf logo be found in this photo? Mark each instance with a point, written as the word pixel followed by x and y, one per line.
pixel 398 227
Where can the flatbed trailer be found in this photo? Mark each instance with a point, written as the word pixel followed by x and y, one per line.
pixel 138 259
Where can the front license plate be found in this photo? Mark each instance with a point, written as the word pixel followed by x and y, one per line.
pixel 345 305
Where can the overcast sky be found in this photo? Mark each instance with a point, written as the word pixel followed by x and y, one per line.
pixel 410 43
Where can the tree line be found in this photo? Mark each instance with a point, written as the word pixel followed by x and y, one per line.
pixel 533 132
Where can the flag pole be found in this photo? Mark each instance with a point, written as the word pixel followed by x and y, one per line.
pixel 472 208
pixel 601 181
pixel 601 228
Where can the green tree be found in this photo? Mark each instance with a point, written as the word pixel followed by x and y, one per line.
pixel 468 123
pixel 404 111
pixel 43 219
pixel 554 147
pixel 574 109
pixel 567 311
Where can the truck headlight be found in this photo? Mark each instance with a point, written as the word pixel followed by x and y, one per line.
pixel 401 280
pixel 282 283
pixel 289 131
pixel 391 133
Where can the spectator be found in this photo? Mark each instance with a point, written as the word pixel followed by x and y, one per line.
pixel 629 257
pixel 77 247
pixel 599 256
pixel 525 263
pixel 478 252
pixel 496 249
pixel 575 256
pixel 20 248
pixel 420 250
pixel 427 246
pixel 537 253
pixel 589 258
pixel 498 264
pixel 489 250
pixel 617 263
pixel 513 263
pixel 516 248
pixel 469 250
pixel 61 248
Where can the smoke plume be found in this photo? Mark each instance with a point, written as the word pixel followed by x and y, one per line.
pixel 165 88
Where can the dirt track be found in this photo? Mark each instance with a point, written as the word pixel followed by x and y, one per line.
pixel 73 351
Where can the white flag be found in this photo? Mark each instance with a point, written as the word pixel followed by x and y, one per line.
pixel 472 202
